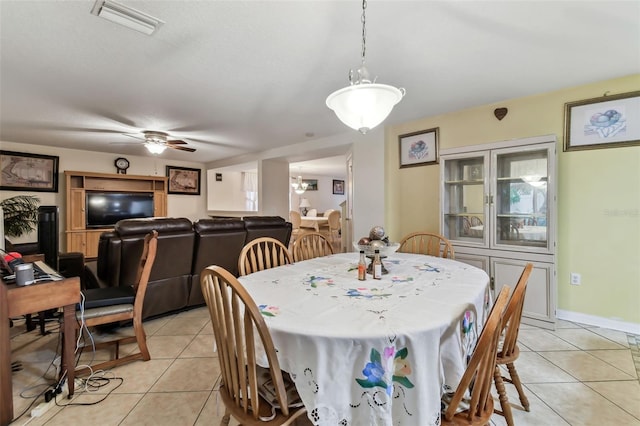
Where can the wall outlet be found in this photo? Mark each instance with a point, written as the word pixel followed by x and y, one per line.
pixel 575 278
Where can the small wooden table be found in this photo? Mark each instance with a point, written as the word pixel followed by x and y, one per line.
pixel 16 301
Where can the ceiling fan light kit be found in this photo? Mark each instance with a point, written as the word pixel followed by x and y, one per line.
pixel 155 147
pixel 126 16
pixel 364 104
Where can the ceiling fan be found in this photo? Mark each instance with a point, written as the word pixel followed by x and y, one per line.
pixel 156 142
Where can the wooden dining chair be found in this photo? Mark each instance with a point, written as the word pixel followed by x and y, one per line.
pixel 427 243
pixel 333 228
pixel 296 220
pixel 116 304
pixel 311 245
pixel 251 394
pixel 471 403
pixel 508 350
pixel 262 253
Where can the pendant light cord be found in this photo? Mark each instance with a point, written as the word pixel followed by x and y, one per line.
pixel 364 29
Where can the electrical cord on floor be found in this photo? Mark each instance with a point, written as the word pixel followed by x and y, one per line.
pixel 93 384
pixel 47 386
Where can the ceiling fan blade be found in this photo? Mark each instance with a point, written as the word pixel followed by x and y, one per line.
pixel 126 143
pixel 176 142
pixel 181 148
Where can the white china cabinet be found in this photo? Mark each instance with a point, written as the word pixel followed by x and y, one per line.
pixel 498 208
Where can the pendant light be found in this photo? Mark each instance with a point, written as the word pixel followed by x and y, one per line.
pixel 299 186
pixel 364 104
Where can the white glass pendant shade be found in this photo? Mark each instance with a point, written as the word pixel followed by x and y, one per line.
pixel 298 186
pixel 155 148
pixel 363 106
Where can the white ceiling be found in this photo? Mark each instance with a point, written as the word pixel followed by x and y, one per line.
pixel 235 77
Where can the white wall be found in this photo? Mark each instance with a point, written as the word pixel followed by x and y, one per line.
pixel 226 194
pixel 189 206
pixel 368 182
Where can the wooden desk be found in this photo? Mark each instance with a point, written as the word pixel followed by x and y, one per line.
pixel 16 301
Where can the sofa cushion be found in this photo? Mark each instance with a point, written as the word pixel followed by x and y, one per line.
pixel 218 242
pixel 267 226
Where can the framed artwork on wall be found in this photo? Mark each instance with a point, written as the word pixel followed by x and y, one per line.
pixel 313 184
pixel 20 171
pixel 183 180
pixel 604 122
pixel 338 187
pixel 419 148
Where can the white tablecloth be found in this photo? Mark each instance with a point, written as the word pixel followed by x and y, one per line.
pixel 313 222
pixel 374 352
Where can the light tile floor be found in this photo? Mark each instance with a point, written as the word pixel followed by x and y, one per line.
pixel 576 375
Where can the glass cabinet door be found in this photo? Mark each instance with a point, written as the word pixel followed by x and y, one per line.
pixel 521 198
pixel 464 214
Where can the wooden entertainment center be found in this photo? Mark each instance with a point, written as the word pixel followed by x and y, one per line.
pixel 85 240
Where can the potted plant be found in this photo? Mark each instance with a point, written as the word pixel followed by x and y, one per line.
pixel 20 214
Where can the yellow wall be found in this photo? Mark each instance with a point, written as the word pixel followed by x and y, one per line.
pixel 598 195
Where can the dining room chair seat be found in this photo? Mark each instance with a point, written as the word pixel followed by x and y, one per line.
pixel 471 402
pixel 508 350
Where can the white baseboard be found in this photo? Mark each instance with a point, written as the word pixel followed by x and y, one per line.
pixel 627 327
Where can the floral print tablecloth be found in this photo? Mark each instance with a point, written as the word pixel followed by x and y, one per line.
pixel 374 352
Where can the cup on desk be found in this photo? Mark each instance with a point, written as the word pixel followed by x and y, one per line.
pixel 24 274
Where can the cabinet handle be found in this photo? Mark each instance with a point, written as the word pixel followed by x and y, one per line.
pixel 486 199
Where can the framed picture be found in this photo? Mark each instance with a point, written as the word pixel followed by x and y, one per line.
pixel 604 122
pixel 20 171
pixel 183 180
pixel 338 187
pixel 313 184
pixel 419 148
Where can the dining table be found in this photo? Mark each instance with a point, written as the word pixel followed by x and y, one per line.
pixel 373 352
pixel 314 222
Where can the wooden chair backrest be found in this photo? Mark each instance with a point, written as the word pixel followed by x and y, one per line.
pixel 334 220
pixel 513 313
pixel 427 243
pixel 310 245
pixel 295 219
pixel 480 369
pixel 262 253
pixel 235 318
pixel 144 271
pixel 476 221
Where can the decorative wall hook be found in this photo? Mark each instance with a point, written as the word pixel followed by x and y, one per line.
pixel 500 113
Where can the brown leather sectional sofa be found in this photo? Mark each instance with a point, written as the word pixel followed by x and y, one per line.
pixel 184 249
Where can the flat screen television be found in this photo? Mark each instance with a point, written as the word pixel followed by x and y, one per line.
pixel 104 209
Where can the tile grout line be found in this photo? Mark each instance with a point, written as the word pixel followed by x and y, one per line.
pixel 635 352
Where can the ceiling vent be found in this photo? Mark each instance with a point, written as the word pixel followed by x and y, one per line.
pixel 126 16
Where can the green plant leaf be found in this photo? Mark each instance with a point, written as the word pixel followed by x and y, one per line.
pixel 20 214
